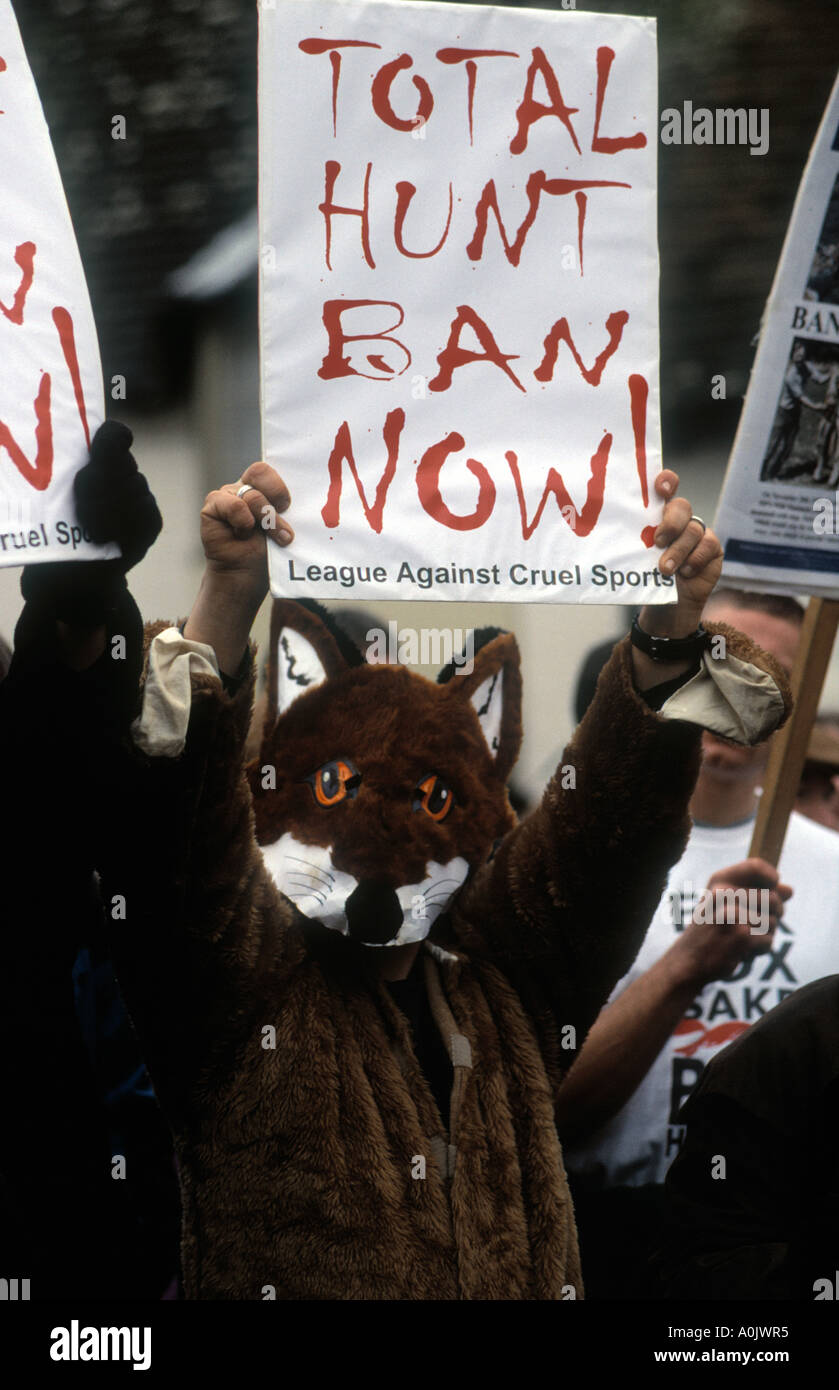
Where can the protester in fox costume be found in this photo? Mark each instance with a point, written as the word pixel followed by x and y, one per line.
pixel 359 985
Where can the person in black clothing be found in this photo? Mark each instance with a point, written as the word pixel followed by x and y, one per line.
pixel 753 1196
pixel 66 1223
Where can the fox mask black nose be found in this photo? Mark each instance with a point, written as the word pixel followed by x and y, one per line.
pixel 374 914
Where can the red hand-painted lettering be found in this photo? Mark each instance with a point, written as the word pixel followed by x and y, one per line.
pixel 342 451
pixel 25 258
pixel 335 364
pixel 428 486
pixel 333 47
pixel 530 110
pixel 537 184
pixel 380 94
pixel 404 193
pixel 561 333
pixel 468 55
pixel 67 338
pixel 454 356
pixel 583 521
pixel 39 473
pixel 603 144
pixel 330 210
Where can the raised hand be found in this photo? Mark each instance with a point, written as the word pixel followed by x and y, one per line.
pixel 692 554
pixel 736 918
pixel 236 521
pixel 113 499
pixel 114 503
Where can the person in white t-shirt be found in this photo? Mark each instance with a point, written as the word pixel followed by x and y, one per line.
pixel 712 963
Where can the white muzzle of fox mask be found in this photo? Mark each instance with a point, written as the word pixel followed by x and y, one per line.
pixel 305 654
pixel 306 875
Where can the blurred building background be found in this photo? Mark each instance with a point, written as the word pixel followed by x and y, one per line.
pixel 166 227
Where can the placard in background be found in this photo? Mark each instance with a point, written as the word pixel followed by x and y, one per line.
pixel 51 395
pixel 777 515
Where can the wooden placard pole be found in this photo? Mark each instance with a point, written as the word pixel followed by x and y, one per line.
pixel 789 750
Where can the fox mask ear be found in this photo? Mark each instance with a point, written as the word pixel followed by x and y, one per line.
pixel 305 652
pixel 493 687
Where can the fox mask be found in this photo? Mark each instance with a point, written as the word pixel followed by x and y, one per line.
pixel 377 792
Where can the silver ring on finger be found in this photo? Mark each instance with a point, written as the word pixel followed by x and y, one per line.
pixel 246 487
pixel 701 523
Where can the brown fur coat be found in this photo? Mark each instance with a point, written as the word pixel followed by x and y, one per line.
pixel 288 1074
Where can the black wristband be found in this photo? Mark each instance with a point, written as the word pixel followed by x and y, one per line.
pixel 669 648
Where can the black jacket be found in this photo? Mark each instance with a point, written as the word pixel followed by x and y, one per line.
pixel 753 1196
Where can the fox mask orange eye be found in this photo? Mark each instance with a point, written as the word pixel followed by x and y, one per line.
pixel 334 782
pixel 434 796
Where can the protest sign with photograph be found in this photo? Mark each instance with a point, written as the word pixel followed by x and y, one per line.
pixel 459 300
pixel 51 397
pixel 777 515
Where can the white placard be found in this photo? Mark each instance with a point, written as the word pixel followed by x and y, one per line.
pixel 459 320
pixel 778 515
pixel 51 396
